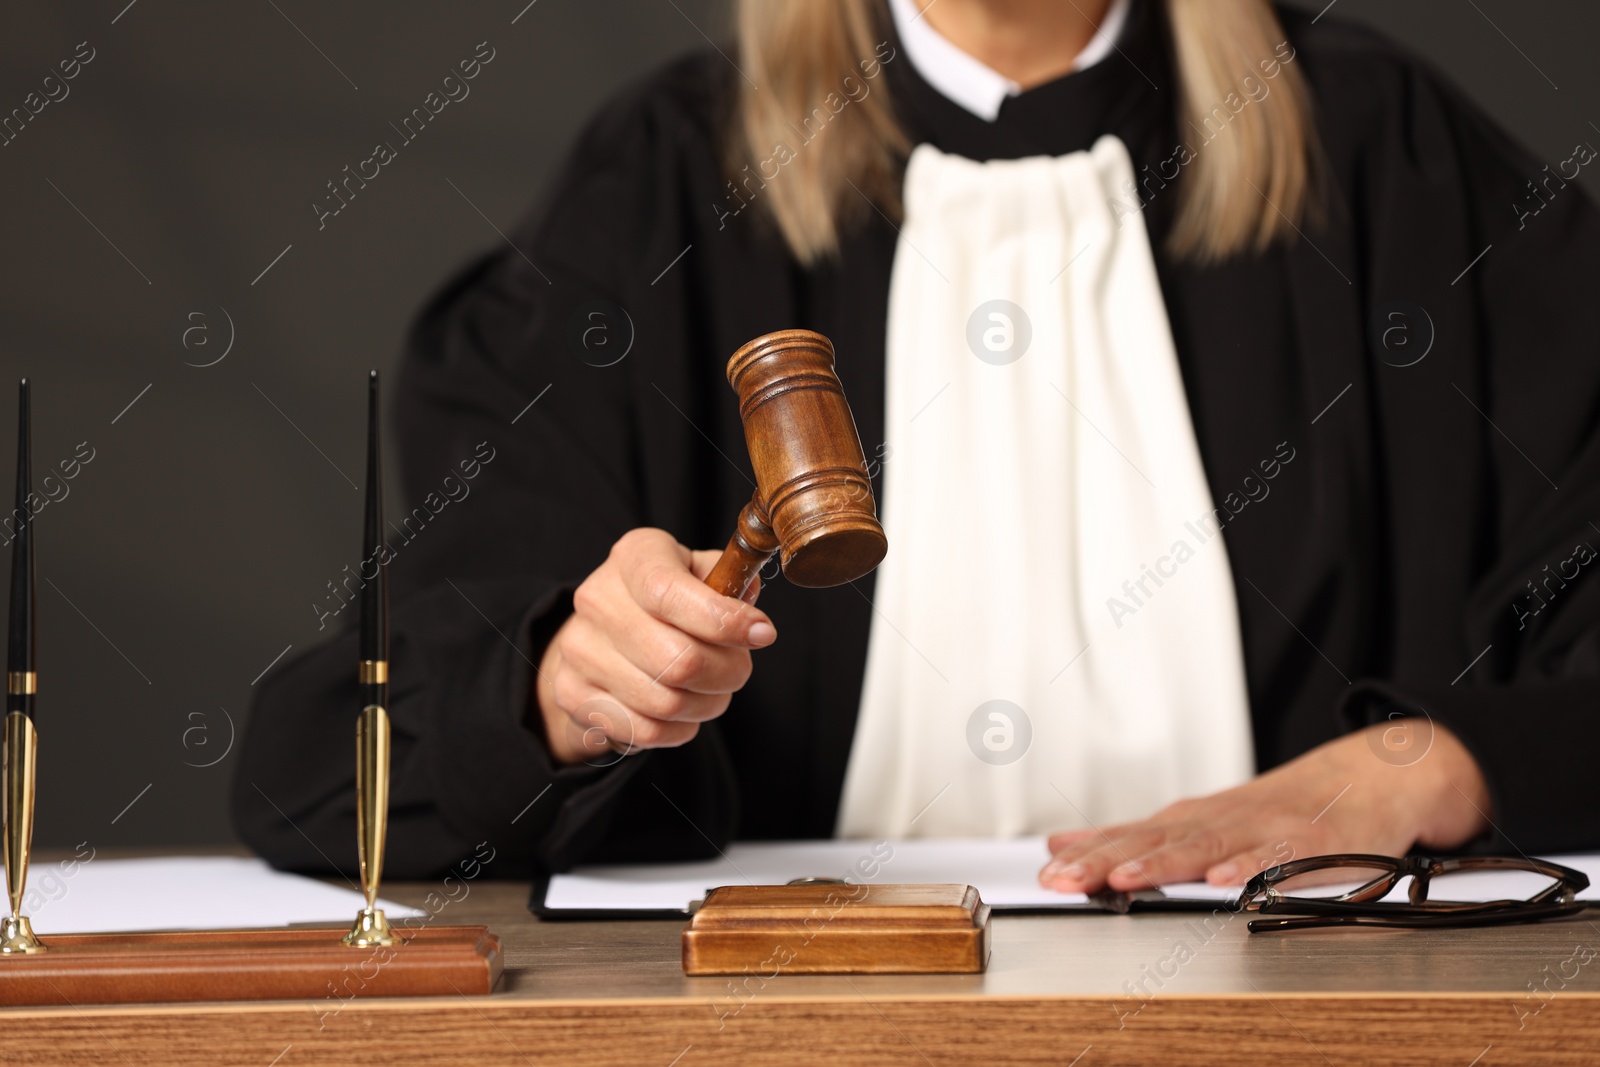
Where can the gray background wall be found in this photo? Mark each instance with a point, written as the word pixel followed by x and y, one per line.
pixel 185 557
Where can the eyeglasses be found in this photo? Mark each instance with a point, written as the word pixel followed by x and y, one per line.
pixel 1350 890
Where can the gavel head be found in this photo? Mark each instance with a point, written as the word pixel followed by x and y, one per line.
pixel 812 484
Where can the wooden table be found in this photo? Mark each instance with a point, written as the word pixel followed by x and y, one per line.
pixel 1070 989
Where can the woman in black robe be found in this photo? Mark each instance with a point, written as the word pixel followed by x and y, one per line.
pixel 1425 570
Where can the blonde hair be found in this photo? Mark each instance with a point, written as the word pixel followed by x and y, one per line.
pixel 811 66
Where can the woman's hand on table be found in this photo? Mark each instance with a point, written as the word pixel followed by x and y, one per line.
pixel 1349 795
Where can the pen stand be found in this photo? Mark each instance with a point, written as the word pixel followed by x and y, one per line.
pixel 301 963
pixel 304 963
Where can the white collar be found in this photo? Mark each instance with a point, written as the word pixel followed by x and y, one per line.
pixel 969 82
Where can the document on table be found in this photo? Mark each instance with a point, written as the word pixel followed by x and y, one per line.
pixel 91 896
pixel 1005 873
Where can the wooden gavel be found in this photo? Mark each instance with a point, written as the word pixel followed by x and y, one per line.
pixel 813 502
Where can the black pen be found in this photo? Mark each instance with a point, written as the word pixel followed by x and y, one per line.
pixel 21 678
pixel 371 928
pixel 373 672
pixel 21 741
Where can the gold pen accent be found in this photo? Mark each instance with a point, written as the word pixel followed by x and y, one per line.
pixel 21 760
pixel 22 683
pixel 373 672
pixel 372 822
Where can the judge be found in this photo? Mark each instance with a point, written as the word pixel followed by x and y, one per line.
pixel 1229 386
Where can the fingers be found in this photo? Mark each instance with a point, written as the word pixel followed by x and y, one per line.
pixel 705 561
pixel 664 653
pixel 649 653
pixel 702 561
pixel 1083 868
pixel 656 572
pixel 1186 858
pixel 690 686
pixel 596 724
pixel 1153 854
pixel 1069 838
pixel 1240 867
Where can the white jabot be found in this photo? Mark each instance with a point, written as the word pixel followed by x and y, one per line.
pixel 1052 538
pixel 971 83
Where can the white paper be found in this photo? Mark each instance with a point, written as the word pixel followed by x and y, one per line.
pixel 182 893
pixel 1005 872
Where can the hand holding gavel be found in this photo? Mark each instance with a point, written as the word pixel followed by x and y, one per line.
pixel 660 637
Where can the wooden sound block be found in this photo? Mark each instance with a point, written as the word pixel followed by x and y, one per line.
pixel 280 964
pixel 838 929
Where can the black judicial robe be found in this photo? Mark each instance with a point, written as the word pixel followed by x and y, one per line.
pixel 1436 516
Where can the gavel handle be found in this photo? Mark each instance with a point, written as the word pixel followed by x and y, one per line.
pixel 751 545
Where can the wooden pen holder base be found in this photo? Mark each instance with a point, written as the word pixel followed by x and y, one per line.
pixel 838 929
pixel 280 964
